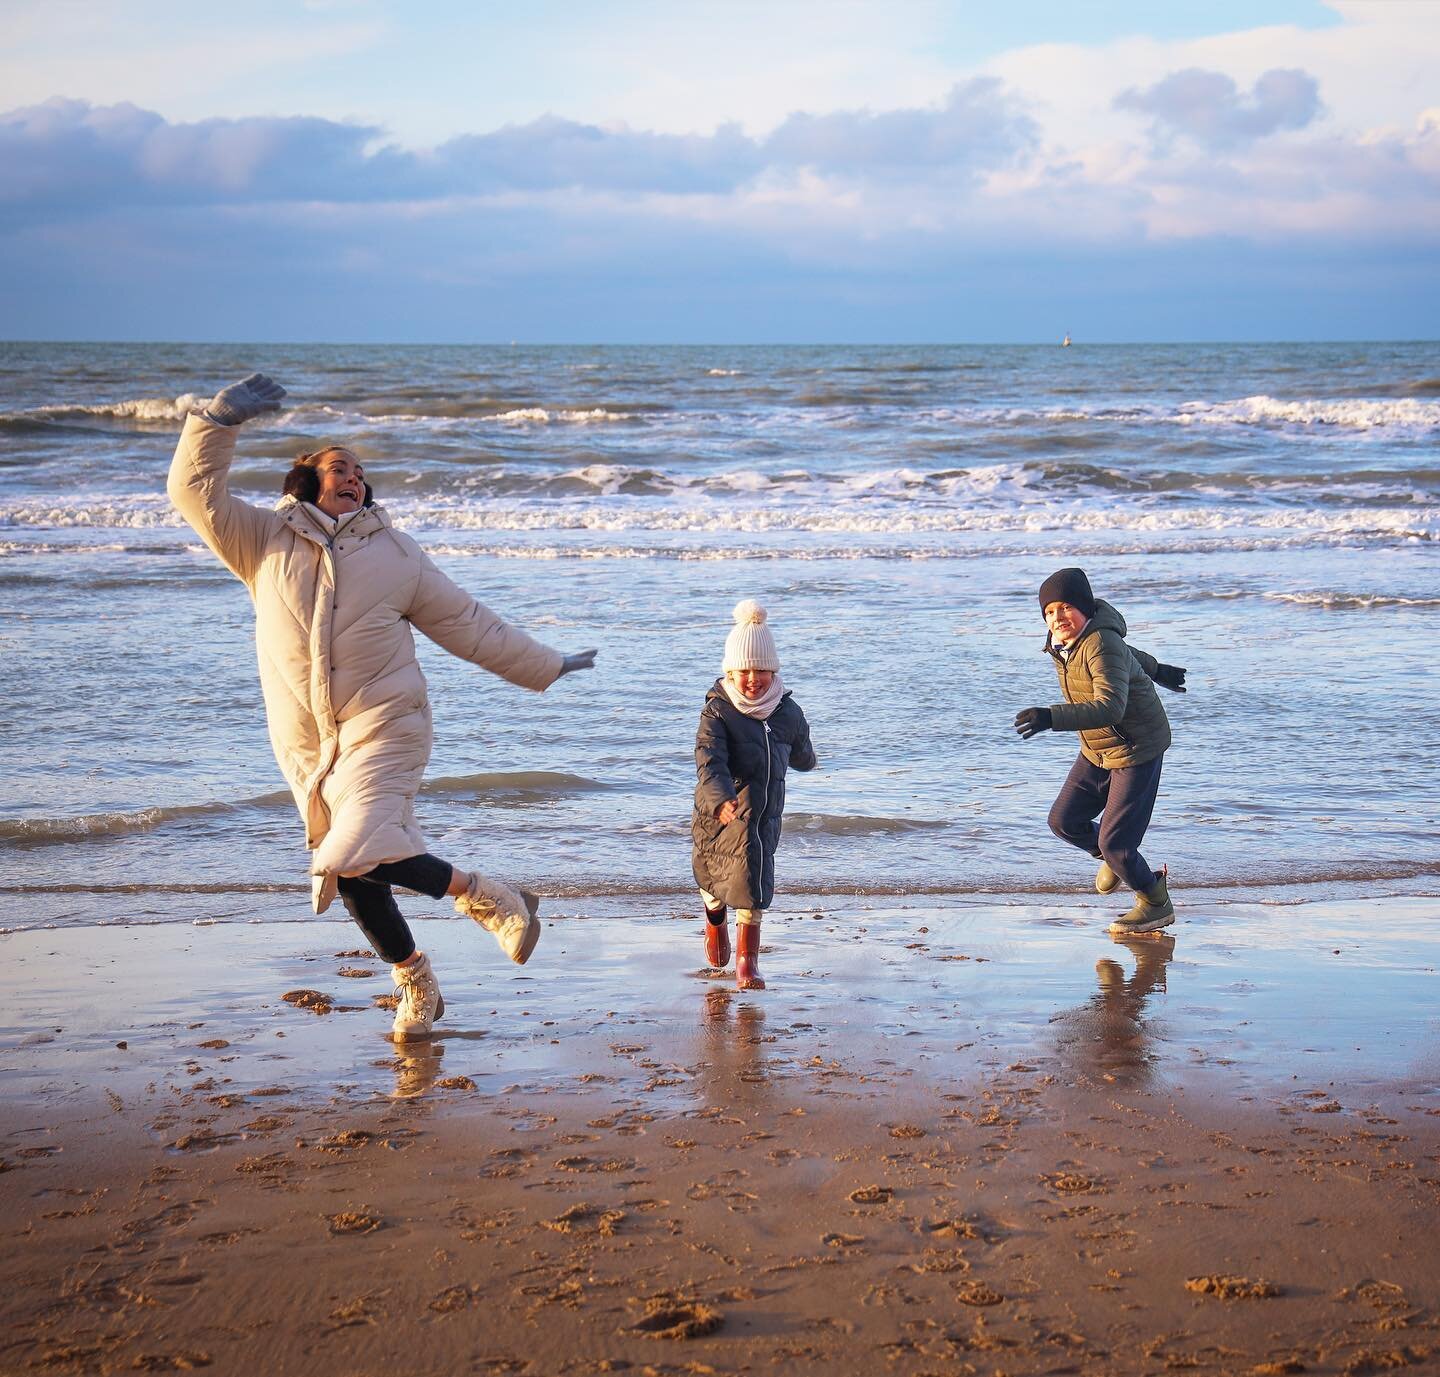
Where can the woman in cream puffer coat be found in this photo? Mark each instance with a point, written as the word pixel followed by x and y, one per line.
pixel 337 591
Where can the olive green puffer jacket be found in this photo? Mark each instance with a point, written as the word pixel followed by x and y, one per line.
pixel 1109 698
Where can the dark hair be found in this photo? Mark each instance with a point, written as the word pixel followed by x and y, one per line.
pixel 303 481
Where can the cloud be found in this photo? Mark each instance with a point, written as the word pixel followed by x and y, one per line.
pixel 68 153
pixel 550 153
pixel 977 126
pixel 561 228
pixel 1208 106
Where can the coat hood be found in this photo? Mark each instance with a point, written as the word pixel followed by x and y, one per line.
pixel 308 520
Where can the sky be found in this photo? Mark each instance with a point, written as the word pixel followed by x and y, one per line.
pixel 794 170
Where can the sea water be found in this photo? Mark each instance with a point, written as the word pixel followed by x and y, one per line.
pixel 1266 515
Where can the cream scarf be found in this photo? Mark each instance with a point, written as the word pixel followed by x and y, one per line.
pixel 760 707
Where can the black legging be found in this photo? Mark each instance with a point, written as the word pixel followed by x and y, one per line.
pixel 369 901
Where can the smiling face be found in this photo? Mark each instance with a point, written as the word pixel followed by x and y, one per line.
pixel 1065 622
pixel 342 483
pixel 753 683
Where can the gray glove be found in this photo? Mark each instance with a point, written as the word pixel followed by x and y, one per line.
pixel 584 660
pixel 243 401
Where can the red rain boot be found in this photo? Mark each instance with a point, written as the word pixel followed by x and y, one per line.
pixel 747 957
pixel 717 940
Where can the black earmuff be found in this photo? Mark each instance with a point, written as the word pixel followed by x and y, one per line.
pixel 302 483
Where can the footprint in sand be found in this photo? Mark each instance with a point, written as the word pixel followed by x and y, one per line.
pixel 452 1299
pixel 1232 1288
pixel 907 1131
pixel 344 1141
pixel 1070 1183
pixel 976 1293
pixel 361 1310
pixel 585 1218
pixel 940 1261
pixel 611 1164
pixel 872 1195
pixel 667 1317
pixel 354 1222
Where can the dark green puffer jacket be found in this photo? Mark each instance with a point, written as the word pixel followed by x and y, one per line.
pixel 743 758
pixel 1109 698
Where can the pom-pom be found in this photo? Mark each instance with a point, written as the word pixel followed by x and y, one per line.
pixel 748 612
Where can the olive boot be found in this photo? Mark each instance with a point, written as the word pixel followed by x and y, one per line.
pixel 1106 880
pixel 1153 909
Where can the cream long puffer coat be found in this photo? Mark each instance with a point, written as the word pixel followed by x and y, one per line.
pixel 334 605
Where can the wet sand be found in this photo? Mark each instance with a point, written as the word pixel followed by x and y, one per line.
pixel 952 1137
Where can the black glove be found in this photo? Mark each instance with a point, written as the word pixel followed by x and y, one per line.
pixel 1033 721
pixel 1171 677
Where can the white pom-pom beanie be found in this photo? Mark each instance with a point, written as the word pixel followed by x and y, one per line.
pixel 750 644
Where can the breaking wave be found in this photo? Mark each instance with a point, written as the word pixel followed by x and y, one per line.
pixel 625 506
pixel 850 825
pixel 517 784
pixel 88 826
pixel 1340 414
pixel 1346 601
pixel 138 409
pixel 533 785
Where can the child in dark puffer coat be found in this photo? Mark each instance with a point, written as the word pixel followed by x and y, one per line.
pixel 751 732
pixel 1108 687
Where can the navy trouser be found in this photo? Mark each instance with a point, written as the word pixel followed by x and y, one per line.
pixel 370 902
pixel 1126 797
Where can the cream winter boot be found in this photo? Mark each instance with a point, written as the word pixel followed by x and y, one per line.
pixel 421 1002
pixel 508 913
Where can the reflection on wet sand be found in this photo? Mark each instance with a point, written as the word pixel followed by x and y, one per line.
pixel 417 1066
pixel 1109 1036
pixel 736 1069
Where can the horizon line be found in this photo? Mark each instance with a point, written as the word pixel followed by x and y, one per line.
pixel 719 344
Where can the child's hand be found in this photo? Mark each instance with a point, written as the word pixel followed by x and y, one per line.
pixel 1032 722
pixel 725 814
pixel 1171 677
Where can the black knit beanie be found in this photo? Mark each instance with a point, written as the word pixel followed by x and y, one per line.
pixel 1068 585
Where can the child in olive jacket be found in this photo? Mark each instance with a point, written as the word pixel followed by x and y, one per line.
pixel 1111 701
pixel 751 731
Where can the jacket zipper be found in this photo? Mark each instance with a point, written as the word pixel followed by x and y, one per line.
pixel 766 804
pixel 1065 689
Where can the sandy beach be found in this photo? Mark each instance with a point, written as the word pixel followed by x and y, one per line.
pixel 938 458
pixel 952 1137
